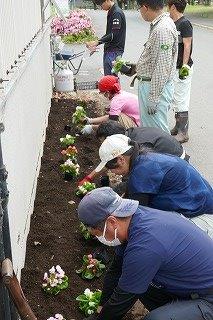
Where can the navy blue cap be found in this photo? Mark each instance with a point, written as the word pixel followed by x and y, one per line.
pixel 100 203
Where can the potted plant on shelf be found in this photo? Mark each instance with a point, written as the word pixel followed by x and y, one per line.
pixel 89 301
pixel 55 281
pixel 70 168
pixel 91 268
pixel 75 31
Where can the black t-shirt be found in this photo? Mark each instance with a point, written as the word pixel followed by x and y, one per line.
pixel 185 30
pixel 116 24
pixel 155 138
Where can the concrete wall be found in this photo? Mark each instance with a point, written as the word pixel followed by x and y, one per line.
pixel 24 107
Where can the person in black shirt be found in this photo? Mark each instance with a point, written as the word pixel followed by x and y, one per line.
pixel 153 138
pixel 114 39
pixel 184 72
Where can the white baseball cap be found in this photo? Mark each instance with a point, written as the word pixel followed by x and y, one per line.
pixel 112 147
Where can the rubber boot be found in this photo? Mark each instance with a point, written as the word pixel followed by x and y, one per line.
pixel 182 135
pixel 174 131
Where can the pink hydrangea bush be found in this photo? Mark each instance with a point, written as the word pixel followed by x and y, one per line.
pixel 77 27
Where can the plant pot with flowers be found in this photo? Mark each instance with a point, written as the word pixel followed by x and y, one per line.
pixel 89 301
pixel 69 153
pixel 55 280
pixel 70 168
pixel 67 141
pixel 91 268
pixel 75 31
pixel 85 188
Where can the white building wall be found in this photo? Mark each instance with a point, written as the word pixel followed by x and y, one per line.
pixel 25 104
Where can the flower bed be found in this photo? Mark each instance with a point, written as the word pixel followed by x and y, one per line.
pixel 55 237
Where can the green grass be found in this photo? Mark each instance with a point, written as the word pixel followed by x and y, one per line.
pixel 200 11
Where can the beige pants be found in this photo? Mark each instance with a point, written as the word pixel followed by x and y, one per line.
pixel 126 121
pixel 204 222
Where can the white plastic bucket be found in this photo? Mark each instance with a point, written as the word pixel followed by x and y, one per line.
pixel 64 80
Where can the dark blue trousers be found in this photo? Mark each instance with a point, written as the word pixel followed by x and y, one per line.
pixel 109 57
pixel 164 306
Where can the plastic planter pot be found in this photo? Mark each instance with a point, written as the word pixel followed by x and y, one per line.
pixel 68 176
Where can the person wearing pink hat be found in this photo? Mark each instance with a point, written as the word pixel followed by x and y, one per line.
pixel 123 106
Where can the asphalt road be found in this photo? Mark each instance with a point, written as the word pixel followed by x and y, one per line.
pixel 200 145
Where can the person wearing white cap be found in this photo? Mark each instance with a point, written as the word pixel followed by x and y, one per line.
pixel 161 258
pixel 159 181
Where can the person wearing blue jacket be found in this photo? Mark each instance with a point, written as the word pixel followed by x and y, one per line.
pixel 162 259
pixel 159 181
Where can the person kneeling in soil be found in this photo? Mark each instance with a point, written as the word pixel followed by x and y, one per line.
pixel 123 107
pixel 159 181
pixel 161 258
pixel 153 138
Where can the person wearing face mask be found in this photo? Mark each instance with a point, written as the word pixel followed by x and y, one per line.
pixel 161 258
pixel 159 181
pixel 123 106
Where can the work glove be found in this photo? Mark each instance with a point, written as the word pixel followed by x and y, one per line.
pixel 85 179
pixel 184 71
pixel 87 120
pixel 87 129
pixel 129 69
pixel 152 108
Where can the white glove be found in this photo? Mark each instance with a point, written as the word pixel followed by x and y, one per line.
pixel 87 129
pixel 88 120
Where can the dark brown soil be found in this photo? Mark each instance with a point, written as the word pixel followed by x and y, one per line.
pixel 54 222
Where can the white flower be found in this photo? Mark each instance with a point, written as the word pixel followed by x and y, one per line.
pixel 90 311
pixel 88 293
pixel 90 266
pixel 52 270
pixel 79 108
pixel 44 285
pixel 51 318
pixel 45 276
pixel 92 304
pixel 61 139
pixel 68 136
pixel 59 316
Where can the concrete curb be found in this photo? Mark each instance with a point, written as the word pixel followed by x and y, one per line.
pixel 202 26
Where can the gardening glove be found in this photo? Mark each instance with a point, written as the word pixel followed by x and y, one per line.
pixel 184 71
pixel 152 108
pixel 129 69
pixel 87 120
pixel 85 179
pixel 87 129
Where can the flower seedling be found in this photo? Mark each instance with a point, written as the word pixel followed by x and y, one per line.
pixel 67 141
pixel 57 316
pixel 85 232
pixel 118 64
pixel 84 188
pixel 91 268
pixel 70 168
pixel 71 152
pixel 55 281
pixel 79 116
pixel 89 301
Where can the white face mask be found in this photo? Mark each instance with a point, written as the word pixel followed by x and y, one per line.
pixel 112 243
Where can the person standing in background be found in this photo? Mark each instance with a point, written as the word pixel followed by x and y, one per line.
pixel 156 66
pixel 115 37
pixel 183 76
